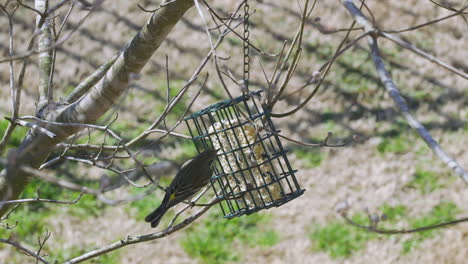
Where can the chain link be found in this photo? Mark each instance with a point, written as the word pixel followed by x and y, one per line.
pixel 246 46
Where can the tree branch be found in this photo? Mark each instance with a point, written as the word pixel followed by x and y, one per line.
pixel 25 250
pixel 393 91
pixel 142 238
pixel 36 147
pixel 44 43
pixel 37 199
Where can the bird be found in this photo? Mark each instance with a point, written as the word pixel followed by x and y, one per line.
pixel 193 175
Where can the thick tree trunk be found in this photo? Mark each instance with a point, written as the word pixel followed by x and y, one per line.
pixel 36 147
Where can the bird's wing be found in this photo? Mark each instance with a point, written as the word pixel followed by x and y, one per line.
pixel 186 163
pixel 175 188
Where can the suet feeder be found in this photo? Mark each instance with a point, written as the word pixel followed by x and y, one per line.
pixel 252 171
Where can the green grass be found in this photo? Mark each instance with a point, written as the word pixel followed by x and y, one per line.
pixel 424 181
pixel 33 217
pixel 442 212
pixel 340 239
pixel 397 145
pixel 355 83
pixel 216 240
pixel 180 107
pixel 312 156
pixel 126 130
pixel 393 213
pixel 18 134
pixel 421 95
pixel 141 208
pixel 187 151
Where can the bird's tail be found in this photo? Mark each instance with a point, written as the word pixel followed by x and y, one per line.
pixel 156 216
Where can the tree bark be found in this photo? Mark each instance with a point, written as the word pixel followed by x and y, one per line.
pixel 36 147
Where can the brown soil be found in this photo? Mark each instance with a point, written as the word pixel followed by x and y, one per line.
pixel 357 172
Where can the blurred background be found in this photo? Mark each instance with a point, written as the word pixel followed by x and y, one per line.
pixel 385 167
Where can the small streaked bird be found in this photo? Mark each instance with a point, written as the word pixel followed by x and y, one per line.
pixel 193 176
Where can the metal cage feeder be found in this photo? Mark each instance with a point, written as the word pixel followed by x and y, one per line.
pixel 252 171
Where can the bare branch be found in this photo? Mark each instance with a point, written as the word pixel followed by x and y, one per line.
pixel 423 54
pixel 42 242
pixel 317 86
pixel 324 143
pixel 393 91
pixel 28 200
pixel 99 193
pixel 91 80
pixel 457 13
pixel 20 122
pixel 156 9
pixel 373 227
pixel 25 250
pixel 404 109
pixel 7 215
pixel 141 238
pixel 292 67
pixel 316 76
pixel 13 89
pixel 52 46
pixel 45 42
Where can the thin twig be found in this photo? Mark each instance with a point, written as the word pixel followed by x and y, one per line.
pixel 317 86
pixel 25 250
pixel 423 54
pixel 324 143
pixel 393 91
pixel 374 229
pixel 457 13
pixel 28 200
pixel 58 43
pixel 40 129
pixel 128 240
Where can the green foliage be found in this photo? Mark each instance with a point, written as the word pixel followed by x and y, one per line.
pixel 180 107
pixel 442 212
pixel 109 258
pixel 33 216
pixel 17 136
pixel 87 206
pixel 125 130
pixel 216 93
pixel 397 145
pixel 421 95
pixel 340 239
pixel 425 181
pixel 393 213
pixel 354 82
pixel 187 151
pixel 215 240
pixel 312 156
pixel 143 207
pixel 29 223
pixel 268 238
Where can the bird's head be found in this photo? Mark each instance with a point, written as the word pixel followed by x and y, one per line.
pixel 208 155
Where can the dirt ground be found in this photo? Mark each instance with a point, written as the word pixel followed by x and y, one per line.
pixel 358 172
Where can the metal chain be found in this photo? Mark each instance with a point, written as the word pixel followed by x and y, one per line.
pixel 246 46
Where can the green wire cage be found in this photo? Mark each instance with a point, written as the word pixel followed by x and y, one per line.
pixel 252 171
